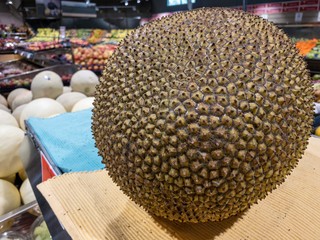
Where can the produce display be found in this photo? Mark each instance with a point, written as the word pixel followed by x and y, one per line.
pixel 194 110
pixel 206 112
pixel 20 104
pixel 69 99
pixel 84 81
pixel 83 104
pixel 305 46
pixel 314 53
pixel 93 58
pixel 41 108
pixel 9 198
pixel 10 36
pixel 37 46
pixel 8 43
pixel 40 231
pixel 65 72
pixel 45 35
pixel 46 84
pixel 309 48
pixel 22 99
pixel 14 68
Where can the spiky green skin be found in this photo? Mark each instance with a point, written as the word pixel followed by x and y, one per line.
pixel 201 114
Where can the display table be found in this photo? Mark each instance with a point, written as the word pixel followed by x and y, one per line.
pixel 90 206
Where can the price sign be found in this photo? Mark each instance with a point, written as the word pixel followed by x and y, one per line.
pixel 62 32
pixel 298 17
pixel 46 169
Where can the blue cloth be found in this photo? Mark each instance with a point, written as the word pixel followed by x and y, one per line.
pixel 68 140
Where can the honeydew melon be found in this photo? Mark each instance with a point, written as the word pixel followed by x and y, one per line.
pixel 10 141
pixel 26 192
pixel 84 81
pixel 46 84
pixel 83 104
pixel 13 94
pixel 23 98
pixel 7 119
pixel 4 108
pixel 9 197
pixel 17 112
pixel 42 108
pixel 3 101
pixel 68 100
pixel 11 178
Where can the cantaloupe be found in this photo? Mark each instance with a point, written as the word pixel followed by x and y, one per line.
pixel 22 174
pixel 66 89
pixel 14 93
pixel 10 141
pixel 68 100
pixel 4 108
pixel 3 101
pixel 17 112
pixel 42 108
pixel 83 104
pixel 7 119
pixel 9 197
pixel 46 84
pixel 23 98
pixel 11 178
pixel 28 155
pixel 26 192
pixel 84 81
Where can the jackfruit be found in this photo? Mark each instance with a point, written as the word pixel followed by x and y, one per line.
pixel 200 114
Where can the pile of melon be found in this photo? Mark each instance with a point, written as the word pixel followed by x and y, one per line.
pixel 47 98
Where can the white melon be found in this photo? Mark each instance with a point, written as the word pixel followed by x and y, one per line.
pixel 4 108
pixel 9 197
pixel 11 178
pixel 26 192
pixel 68 100
pixel 23 98
pixel 41 108
pixel 13 94
pixel 7 119
pixel 84 81
pixel 83 104
pixel 67 89
pixel 46 84
pixel 17 112
pixel 10 141
pixel 22 173
pixel 3 101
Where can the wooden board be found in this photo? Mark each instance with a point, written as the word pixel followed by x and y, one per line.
pixel 91 206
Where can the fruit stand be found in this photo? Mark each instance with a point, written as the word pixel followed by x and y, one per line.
pixel 54 75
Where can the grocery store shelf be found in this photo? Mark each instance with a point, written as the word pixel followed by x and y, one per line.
pixel 18 211
pixel 293 18
pixel 313 65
